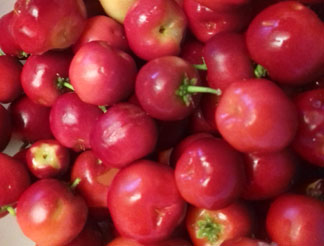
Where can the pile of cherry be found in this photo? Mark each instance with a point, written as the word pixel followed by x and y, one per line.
pixel 163 122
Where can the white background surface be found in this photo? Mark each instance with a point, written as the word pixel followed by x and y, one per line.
pixel 10 233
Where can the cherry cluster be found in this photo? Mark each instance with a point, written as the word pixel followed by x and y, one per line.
pixel 164 122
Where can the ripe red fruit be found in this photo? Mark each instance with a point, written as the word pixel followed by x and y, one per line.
pixel 296 220
pixel 155 28
pixel 101 74
pixel 202 178
pixel 39 26
pixel 122 135
pixel 50 214
pixel 212 227
pixel 282 37
pixel 309 140
pixel 144 202
pixel 256 116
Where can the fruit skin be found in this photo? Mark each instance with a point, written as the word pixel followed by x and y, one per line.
pixel 269 175
pixel 96 179
pixel 308 142
pixel 72 120
pixel 245 241
pixel 30 120
pixel 155 28
pixel 144 202
pixel 212 227
pixel 40 76
pixel 122 135
pixel 101 74
pixel 156 87
pixel 50 214
pixel 117 9
pixel 204 22
pixel 8 44
pixel 227 60
pixel 256 116
pixel 282 37
pixel 14 179
pixel 39 26
pixel 202 178
pixel 47 159
pixel 105 29
pixel 122 241
pixel 10 87
pixel 222 5
pixel 5 127
pixel 296 220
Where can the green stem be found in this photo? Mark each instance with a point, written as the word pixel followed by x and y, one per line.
pixel 103 108
pixel 203 89
pixel 75 183
pixel 201 66
pixel 208 229
pixel 188 87
pixel 63 83
pixel 2 53
pixel 8 209
pixel 23 54
pixel 260 72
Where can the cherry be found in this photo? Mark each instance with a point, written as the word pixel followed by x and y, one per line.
pixel 39 26
pixel 227 60
pixel 30 120
pixel 309 138
pixel 14 180
pixel 8 43
pixel 144 210
pixel 256 116
pixel 269 175
pixel 205 22
pixel 5 127
pixel 10 87
pixel 50 214
pixel 296 220
pixel 276 39
pixel 167 88
pixel 47 159
pixel 96 179
pixel 105 29
pixel 212 227
pixel 180 148
pixel 155 28
pixel 43 76
pixel 122 135
pixel 102 75
pixel 202 178
pixel 72 120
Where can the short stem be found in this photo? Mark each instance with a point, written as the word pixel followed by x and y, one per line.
pixel 23 54
pixel 260 71
pixel 68 85
pixel 2 53
pixel 201 66
pixel 64 82
pixel 8 209
pixel 75 183
pixel 202 89
pixel 103 108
